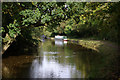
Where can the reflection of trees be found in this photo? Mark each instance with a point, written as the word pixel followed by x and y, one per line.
pixel 93 64
pixel 102 65
pixel 66 57
pixel 49 46
pixel 90 63
pixel 83 62
pixel 97 65
pixel 13 67
pixel 5 71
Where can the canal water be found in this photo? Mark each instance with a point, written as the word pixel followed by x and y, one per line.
pixel 59 59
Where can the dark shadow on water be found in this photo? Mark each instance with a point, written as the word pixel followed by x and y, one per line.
pixel 60 59
pixel 20 47
pixel 18 58
pixel 103 64
pixel 111 59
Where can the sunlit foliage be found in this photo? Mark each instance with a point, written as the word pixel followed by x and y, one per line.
pixel 83 19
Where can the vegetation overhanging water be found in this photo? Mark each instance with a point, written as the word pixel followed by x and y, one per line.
pixel 58 59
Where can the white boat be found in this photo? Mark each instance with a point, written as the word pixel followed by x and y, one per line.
pixel 61 37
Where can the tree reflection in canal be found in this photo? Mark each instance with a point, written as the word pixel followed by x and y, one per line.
pixel 54 64
pixel 62 60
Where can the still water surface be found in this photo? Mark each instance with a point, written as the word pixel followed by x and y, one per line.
pixel 58 59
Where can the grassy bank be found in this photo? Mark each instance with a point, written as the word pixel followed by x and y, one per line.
pixel 110 55
pixel 101 46
pixel 97 45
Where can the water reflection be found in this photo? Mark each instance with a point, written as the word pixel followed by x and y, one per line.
pixel 52 69
pixel 56 59
pixel 53 63
pixel 60 42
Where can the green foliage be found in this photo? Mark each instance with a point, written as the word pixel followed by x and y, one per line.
pixel 2 30
pixel 30 16
pixel 76 19
pixel 68 29
pixel 45 18
pixel 37 32
pixel 13 29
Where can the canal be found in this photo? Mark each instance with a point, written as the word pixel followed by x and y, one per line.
pixel 58 59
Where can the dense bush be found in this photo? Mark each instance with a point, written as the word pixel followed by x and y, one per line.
pixel 84 19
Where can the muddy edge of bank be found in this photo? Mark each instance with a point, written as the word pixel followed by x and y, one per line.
pixel 96 45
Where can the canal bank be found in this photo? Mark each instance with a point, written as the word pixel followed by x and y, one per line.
pixel 97 45
pixel 64 60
